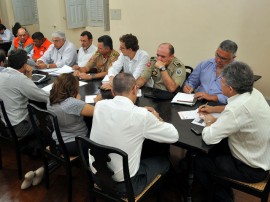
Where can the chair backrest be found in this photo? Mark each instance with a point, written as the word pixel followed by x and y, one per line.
pixel 7 125
pixel 189 70
pixel 103 175
pixel 44 124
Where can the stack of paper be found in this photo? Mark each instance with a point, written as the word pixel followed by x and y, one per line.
pixel 49 87
pixel 184 98
pixel 63 70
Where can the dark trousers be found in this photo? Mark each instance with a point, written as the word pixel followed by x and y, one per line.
pixel 221 162
pixel 148 170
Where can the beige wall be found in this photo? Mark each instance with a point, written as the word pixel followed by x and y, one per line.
pixel 196 28
pixel 52 17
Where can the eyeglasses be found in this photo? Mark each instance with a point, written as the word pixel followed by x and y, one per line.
pixel 222 58
pixel 56 40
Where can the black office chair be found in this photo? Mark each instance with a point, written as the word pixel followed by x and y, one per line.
pixel 8 134
pixel 104 173
pixel 53 156
pixel 189 70
pixel 260 189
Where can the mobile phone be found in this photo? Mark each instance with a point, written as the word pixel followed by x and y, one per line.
pixel 196 132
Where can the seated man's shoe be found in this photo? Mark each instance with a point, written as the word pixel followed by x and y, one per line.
pixel 38 176
pixel 28 180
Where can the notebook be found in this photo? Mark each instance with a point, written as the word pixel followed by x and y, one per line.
pixel 185 99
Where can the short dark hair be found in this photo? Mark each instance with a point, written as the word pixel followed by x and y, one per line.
pixel 123 83
pixel 239 76
pixel 88 34
pixel 2 27
pixel 106 40
pixel 2 55
pixel 15 28
pixel 130 41
pixel 228 46
pixel 17 58
pixel 64 86
pixel 38 35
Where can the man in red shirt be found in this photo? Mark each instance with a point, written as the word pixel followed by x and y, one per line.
pixel 41 45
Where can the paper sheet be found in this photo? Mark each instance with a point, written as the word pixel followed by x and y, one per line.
pixel 49 87
pixel 90 98
pixel 192 114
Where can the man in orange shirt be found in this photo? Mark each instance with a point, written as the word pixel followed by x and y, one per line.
pixel 22 41
pixel 41 45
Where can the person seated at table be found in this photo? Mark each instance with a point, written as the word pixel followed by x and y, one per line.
pixel 65 101
pixel 22 41
pixel 16 89
pixel 98 65
pixel 205 79
pixel 127 126
pixel 41 45
pixel 5 34
pixel 244 155
pixel 60 53
pixel 131 60
pixel 167 72
pixel 86 51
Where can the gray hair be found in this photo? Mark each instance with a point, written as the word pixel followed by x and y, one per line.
pixel 239 76
pixel 59 34
pixel 123 83
pixel 228 46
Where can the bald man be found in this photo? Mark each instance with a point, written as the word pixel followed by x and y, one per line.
pixel 22 41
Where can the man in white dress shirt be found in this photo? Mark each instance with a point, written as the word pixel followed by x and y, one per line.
pixel 86 51
pixel 126 128
pixel 242 133
pixel 60 53
pixel 5 34
pixel 132 60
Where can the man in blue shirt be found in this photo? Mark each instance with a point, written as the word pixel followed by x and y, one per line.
pixel 205 79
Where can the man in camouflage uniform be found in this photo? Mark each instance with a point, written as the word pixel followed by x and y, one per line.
pixel 99 64
pixel 167 72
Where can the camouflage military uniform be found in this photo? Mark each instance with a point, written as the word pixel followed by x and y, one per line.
pixel 102 64
pixel 176 69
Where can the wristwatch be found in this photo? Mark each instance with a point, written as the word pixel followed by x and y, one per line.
pixel 162 68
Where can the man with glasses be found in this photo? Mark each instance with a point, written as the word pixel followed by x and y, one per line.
pixel 132 60
pixel 22 41
pixel 241 133
pixel 205 79
pixel 60 53
pixel 167 72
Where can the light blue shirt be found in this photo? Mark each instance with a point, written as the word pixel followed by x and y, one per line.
pixel 204 79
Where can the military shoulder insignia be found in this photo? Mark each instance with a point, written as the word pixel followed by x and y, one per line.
pixel 177 64
pixel 153 59
pixel 178 71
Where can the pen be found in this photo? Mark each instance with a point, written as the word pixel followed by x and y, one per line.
pixel 203 106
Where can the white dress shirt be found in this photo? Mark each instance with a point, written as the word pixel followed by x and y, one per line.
pixel 66 55
pixel 85 55
pixel 245 121
pixel 134 66
pixel 7 35
pixel 121 124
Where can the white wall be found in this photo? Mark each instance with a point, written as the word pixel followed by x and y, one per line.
pixel 196 28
